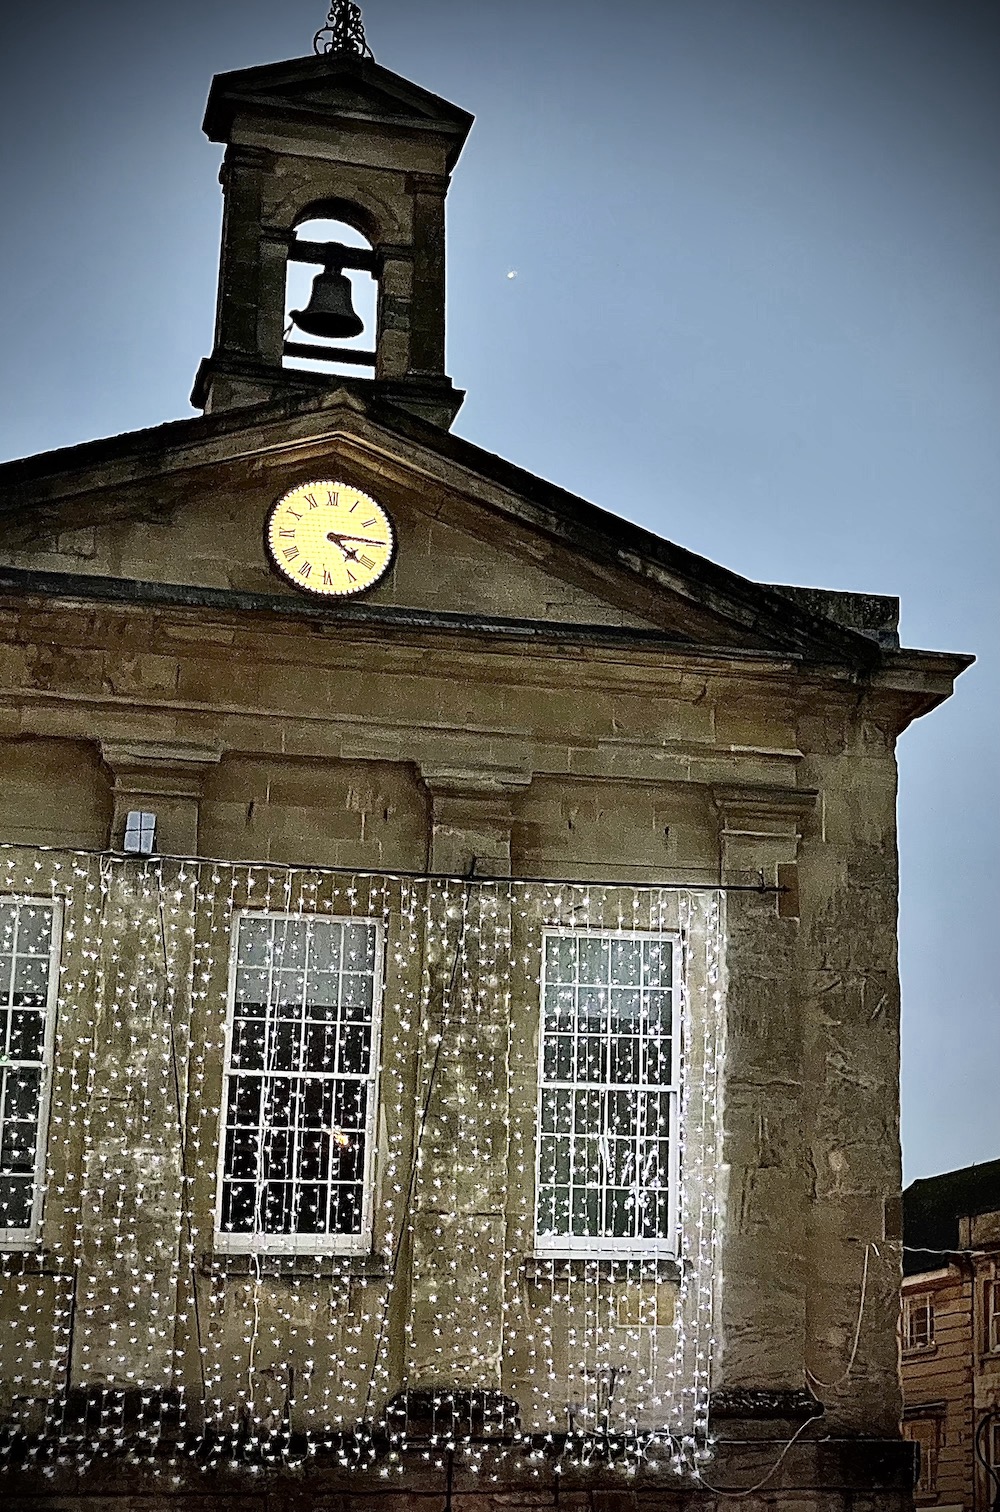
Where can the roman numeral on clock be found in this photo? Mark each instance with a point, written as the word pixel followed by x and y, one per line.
pixel 291 552
pixel 288 535
pixel 306 569
pixel 366 562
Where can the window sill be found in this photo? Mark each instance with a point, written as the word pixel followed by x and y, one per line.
pixel 918 1351
pixel 27 1250
pixel 301 1266
pixel 634 1268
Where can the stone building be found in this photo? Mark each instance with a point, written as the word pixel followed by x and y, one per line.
pixel 950 1336
pixel 447 933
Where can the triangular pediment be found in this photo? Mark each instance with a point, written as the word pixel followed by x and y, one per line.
pixel 480 541
pixel 327 89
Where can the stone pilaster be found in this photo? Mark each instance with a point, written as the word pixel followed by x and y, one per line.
pixel 456 1334
pixel 763 1299
pixel 132 1204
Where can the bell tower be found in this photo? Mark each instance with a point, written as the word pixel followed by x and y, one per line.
pixel 332 137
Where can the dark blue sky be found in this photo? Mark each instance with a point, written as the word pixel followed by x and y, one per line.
pixel 756 310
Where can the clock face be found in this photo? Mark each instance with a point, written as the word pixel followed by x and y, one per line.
pixel 329 539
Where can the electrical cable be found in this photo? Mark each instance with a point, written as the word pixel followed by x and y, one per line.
pixel 761 888
pixel 751 1490
pixel 836 1385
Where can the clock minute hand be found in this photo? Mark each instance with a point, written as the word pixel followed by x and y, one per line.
pixel 335 535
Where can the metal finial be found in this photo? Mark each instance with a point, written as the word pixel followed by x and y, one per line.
pixel 344 32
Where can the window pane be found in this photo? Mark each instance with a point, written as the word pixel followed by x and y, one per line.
pixel 22 1089
pixel 34 930
pixel 657 963
pixel 560 960
pixel 251 991
pixel 595 957
pixel 359 948
pixel 356 992
pixel 658 1012
pixel 27 1034
pixel 325 947
pixel 255 942
pixel 17 1195
pixel 289 950
pixel 626 963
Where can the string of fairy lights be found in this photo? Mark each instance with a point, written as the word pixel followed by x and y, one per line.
pixel 227 1236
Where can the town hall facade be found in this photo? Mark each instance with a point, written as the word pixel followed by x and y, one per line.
pixel 449 1007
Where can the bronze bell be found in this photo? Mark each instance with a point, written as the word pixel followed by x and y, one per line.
pixel 330 311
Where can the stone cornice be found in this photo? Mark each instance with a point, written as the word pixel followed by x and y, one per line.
pixel 749 809
pixel 484 781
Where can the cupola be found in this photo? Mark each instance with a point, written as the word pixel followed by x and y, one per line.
pixel 332 138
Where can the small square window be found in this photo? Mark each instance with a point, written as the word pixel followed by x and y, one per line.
pixel 140 833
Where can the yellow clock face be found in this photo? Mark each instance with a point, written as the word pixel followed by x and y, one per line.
pixel 328 538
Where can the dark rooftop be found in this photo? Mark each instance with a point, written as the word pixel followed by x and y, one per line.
pixel 932 1209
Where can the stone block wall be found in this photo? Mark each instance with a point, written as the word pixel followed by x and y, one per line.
pixel 280 744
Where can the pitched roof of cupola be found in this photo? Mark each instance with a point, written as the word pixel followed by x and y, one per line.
pixel 322 94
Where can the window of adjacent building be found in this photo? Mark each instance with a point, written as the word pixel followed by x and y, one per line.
pixel 918 1322
pixel 924 1433
pixel 992 1316
pixel 299 1100
pixel 29 971
pixel 608 1091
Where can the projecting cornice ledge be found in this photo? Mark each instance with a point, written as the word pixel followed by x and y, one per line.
pixel 128 756
pixel 474 781
pixel 763 810
pixel 760 831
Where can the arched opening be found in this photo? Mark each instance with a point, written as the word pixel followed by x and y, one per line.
pixel 322 291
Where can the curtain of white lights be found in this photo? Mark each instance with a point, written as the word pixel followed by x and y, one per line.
pixel 285 1152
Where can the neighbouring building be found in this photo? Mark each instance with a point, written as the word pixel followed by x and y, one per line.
pixel 950 1335
pixel 448 965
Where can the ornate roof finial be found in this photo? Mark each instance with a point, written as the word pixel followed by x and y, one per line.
pixel 344 32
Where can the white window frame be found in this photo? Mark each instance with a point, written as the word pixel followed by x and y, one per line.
pixel 569 1246
pixel 912 1303
pixel 309 1244
pixel 991 1315
pixel 20 1239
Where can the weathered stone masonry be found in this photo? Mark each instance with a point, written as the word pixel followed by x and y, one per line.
pixel 537 690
